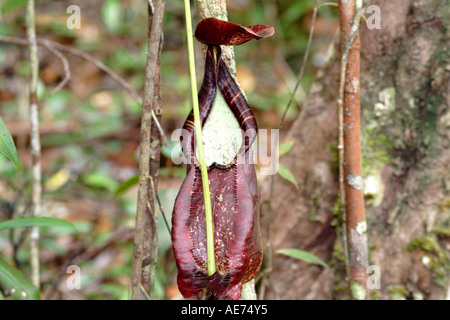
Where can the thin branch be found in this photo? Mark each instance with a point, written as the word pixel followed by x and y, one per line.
pixel 288 77
pixel 154 248
pixel 155 157
pixel 144 293
pixel 163 213
pixel 151 225
pixel 345 46
pixel 35 141
pixel 350 163
pixel 144 148
pixel 66 66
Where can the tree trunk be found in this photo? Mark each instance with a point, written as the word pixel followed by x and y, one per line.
pixel 406 158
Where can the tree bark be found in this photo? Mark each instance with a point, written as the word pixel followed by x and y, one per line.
pixel 405 148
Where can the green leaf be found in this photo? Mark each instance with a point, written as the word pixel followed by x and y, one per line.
pixel 127 185
pixel 111 12
pixel 100 180
pixel 285 147
pixel 35 222
pixel 295 11
pixel 7 6
pixel 286 174
pixel 302 255
pixel 7 146
pixel 16 283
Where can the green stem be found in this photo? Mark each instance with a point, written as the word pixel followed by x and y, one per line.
pixel 199 140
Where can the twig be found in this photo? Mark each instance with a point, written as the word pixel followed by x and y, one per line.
pixel 35 141
pixel 144 293
pixel 149 274
pixel 149 223
pixel 66 66
pixel 144 149
pixel 350 166
pixel 151 227
pixel 155 157
pixel 288 77
pixel 163 213
pixel 155 253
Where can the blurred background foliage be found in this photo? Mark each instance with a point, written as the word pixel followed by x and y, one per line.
pixel 90 128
